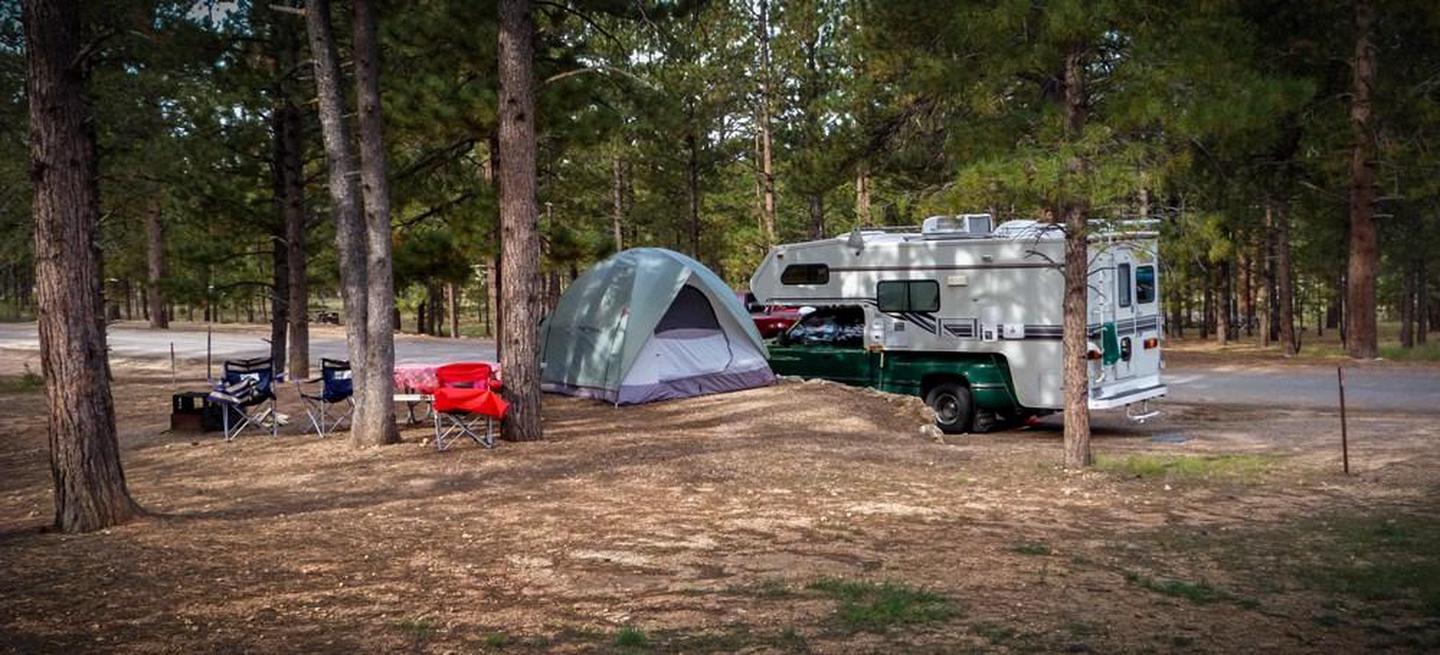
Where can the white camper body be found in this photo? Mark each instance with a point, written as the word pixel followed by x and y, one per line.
pixel 959 287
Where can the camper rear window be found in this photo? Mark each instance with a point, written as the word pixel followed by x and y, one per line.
pixel 805 274
pixel 1145 284
pixel 908 296
pixel 1122 280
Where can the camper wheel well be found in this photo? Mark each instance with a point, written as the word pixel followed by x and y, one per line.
pixel 933 380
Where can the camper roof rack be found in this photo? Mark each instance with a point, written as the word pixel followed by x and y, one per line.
pixel 958 226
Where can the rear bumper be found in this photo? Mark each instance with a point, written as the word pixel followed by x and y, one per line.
pixel 1126 397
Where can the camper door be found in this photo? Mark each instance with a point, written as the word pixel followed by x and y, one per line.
pixel 1124 294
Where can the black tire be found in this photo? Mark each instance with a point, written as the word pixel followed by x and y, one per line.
pixel 953 409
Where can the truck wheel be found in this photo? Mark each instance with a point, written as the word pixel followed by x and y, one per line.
pixel 953 411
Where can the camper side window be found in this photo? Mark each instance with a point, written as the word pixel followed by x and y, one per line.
pixel 1145 285
pixel 1122 283
pixel 908 296
pixel 805 274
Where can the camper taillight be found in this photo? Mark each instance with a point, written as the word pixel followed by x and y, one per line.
pixel 1152 342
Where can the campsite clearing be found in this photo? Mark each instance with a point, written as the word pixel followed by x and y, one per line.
pixel 799 517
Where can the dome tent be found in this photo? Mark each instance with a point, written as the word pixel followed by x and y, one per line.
pixel 650 324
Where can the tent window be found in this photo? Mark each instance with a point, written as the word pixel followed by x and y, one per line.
pixel 799 274
pixel 908 296
pixel 1145 285
pixel 690 310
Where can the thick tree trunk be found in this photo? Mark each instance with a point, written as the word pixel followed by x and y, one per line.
pixel 1077 275
pixel 1265 264
pixel 378 426
pixel 90 490
pixel 1247 293
pixel 1361 337
pixel 290 159
pixel 279 301
pixel 155 266
pixel 344 188
pixel 520 360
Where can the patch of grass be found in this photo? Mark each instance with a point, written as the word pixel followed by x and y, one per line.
pixel 768 589
pixel 1200 593
pixel 629 637
pixel 995 633
pixel 26 382
pixel 497 640
pixel 878 606
pixel 1376 558
pixel 1031 548
pixel 1428 352
pixel 1242 467
pixel 420 629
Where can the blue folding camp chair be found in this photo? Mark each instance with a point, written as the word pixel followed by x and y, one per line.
pixel 336 389
pixel 246 395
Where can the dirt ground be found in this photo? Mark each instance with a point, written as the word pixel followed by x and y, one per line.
pixel 725 524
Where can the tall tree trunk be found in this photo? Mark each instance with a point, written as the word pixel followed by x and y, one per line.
pixel 692 190
pixel 520 355
pixel 816 202
pixel 1265 264
pixel 1075 213
pixel 279 299
pixel 155 266
pixel 1422 303
pixel 767 165
pixel 1362 342
pixel 1407 306
pixel 452 308
pixel 617 222
pixel 1222 306
pixel 90 490
pixel 1247 292
pixel 862 195
pixel 378 426
pixel 1284 280
pixel 344 188
pixel 291 161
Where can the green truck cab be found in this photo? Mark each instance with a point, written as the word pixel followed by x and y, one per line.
pixel 968 391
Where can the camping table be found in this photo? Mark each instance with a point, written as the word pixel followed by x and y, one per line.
pixel 415 384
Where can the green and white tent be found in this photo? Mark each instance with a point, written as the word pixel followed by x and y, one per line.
pixel 650 324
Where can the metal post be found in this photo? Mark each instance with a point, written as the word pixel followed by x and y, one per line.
pixel 1344 432
pixel 172 364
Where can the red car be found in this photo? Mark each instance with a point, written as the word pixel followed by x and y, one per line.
pixel 771 320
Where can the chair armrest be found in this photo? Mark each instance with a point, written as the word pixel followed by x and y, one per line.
pixel 494 384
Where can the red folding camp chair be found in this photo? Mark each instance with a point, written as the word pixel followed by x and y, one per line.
pixel 465 396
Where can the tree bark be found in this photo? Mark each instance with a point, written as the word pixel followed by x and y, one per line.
pixel 155 266
pixel 862 195
pixel 452 307
pixel 1222 306
pixel 378 426
pixel 291 162
pixel 617 223
pixel 767 166
pixel 1247 292
pixel 692 190
pixel 90 491
pixel 520 361
pixel 1422 303
pixel 1362 342
pixel 344 188
pixel 1284 280
pixel 816 203
pixel 1407 306
pixel 1075 213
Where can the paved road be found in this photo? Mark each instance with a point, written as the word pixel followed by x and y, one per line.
pixel 1411 389
pixel 1398 388
pixel 190 345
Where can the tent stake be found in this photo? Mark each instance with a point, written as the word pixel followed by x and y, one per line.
pixel 1344 431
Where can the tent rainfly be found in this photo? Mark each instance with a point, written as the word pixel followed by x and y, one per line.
pixel 650 324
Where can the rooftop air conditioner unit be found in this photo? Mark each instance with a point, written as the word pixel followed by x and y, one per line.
pixel 957 227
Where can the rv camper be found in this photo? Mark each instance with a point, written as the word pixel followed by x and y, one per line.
pixel 969 317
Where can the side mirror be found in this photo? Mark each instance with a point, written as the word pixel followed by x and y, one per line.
pixel 805 311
